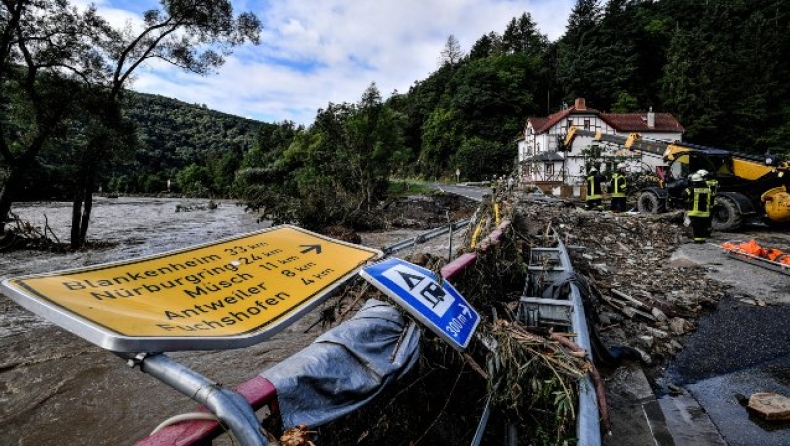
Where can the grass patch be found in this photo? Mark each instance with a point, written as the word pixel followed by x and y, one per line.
pixel 400 188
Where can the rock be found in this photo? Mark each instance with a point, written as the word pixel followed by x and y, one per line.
pixel 647 341
pixel 657 333
pixel 677 325
pixel 659 315
pixel 634 255
pixel 770 406
pixel 601 267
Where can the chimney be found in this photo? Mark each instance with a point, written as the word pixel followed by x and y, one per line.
pixel 651 119
pixel 579 105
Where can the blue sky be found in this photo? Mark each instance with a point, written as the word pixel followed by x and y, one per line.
pixel 314 52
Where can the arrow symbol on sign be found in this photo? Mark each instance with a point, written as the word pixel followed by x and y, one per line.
pixel 465 310
pixel 308 248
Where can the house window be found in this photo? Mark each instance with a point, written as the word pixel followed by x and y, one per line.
pixel 537 147
pixel 569 123
pixel 586 124
pixel 549 169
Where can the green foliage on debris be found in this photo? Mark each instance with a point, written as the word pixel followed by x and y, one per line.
pixel 333 173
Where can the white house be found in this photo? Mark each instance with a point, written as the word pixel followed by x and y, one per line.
pixel 562 173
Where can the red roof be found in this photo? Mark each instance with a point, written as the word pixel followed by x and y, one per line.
pixel 637 122
pixel 543 124
pixel 621 122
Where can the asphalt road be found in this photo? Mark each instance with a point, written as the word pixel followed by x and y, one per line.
pixel 739 348
pixel 472 192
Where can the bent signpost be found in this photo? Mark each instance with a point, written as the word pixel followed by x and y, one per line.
pixel 227 294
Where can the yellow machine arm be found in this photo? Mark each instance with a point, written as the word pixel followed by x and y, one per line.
pixel 748 167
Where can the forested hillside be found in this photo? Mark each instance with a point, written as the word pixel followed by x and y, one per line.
pixel 186 140
pixel 175 140
pixel 719 66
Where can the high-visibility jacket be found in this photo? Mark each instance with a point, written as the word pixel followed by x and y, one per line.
pixel 594 186
pixel 713 185
pixel 700 199
pixel 618 185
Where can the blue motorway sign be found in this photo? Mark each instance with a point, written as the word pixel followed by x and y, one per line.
pixel 416 289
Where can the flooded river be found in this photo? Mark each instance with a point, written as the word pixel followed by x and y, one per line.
pixel 134 226
pixel 57 389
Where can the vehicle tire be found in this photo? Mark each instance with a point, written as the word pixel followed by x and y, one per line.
pixel 649 203
pixel 726 216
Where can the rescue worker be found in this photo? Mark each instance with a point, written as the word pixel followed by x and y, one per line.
pixel 617 186
pixel 698 205
pixel 713 185
pixel 594 180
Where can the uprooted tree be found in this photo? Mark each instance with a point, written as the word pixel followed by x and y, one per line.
pixel 57 62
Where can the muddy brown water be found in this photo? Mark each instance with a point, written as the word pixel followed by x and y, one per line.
pixel 57 389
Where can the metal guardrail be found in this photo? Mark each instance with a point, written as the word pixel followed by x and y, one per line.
pixel 424 237
pixel 588 425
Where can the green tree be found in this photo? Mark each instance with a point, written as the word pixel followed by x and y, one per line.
pixel 371 139
pixel 488 45
pixel 49 42
pixel 271 141
pixel 415 108
pixel 522 36
pixel 335 172
pixel 195 180
pixel 45 50
pixel 725 76
pixel 578 55
pixel 222 166
pixel 439 142
pixel 482 160
pixel 625 104
pixel 489 98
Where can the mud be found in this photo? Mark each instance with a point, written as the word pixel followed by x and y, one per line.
pixel 57 389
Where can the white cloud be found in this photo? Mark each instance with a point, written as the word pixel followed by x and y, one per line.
pixel 316 52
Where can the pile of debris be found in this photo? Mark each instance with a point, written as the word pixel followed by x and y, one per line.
pixel 639 298
pixel 645 300
pixel 210 206
pixel 424 211
pixel 20 234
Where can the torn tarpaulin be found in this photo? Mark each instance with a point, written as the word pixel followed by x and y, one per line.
pixel 346 366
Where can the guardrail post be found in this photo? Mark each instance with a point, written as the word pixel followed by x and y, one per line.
pixel 227 405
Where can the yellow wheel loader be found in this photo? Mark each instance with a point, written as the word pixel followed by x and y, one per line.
pixel 751 187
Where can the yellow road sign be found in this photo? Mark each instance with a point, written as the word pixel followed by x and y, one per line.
pixel 239 287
